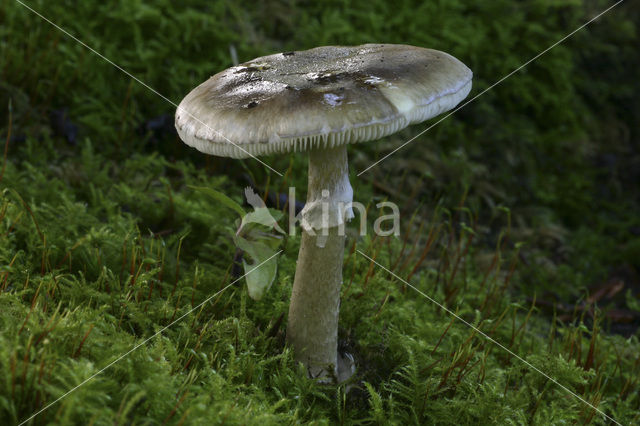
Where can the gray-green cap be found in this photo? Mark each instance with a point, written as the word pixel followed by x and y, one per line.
pixel 323 97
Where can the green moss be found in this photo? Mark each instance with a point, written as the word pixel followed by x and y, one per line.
pixel 103 245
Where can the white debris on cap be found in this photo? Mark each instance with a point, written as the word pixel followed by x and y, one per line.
pixel 323 97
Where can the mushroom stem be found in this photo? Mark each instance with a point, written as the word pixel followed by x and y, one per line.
pixel 312 328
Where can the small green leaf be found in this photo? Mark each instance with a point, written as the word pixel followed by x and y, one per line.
pixel 261 216
pixel 259 279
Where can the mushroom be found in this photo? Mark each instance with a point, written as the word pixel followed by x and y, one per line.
pixel 320 100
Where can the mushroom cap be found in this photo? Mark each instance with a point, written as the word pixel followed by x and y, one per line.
pixel 322 97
